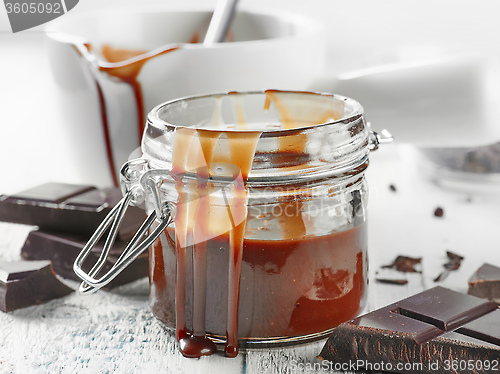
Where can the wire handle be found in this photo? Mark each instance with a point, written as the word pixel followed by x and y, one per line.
pixel 134 248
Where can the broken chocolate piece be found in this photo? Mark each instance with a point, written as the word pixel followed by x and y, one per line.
pixel 486 328
pixel 421 334
pixel 439 212
pixel 392 188
pixel 444 308
pixel 27 283
pixel 485 283
pixel 453 263
pixel 405 264
pixel 62 249
pixel 441 276
pixel 67 208
pixel 453 257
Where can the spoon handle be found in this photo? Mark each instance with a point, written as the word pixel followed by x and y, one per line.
pixel 221 19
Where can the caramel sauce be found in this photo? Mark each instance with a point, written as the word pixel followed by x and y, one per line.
pixel 83 49
pixel 128 72
pixel 293 147
pixel 107 138
pixel 295 285
pixel 125 65
pixel 195 150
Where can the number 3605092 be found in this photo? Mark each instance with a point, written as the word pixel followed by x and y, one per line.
pixel 33 8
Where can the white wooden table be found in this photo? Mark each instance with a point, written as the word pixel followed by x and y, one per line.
pixel 116 332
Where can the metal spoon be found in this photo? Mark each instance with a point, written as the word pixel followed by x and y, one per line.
pixel 219 24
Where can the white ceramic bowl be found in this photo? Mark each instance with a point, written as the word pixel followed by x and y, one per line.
pixel 270 50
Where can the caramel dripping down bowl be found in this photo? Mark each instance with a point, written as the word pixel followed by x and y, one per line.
pixel 114 66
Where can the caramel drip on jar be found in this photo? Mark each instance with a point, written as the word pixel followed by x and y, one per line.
pixel 242 149
pixel 291 221
pixel 197 221
pixel 190 236
pixel 239 110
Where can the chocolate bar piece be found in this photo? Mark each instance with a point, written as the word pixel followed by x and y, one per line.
pixel 436 331
pixel 485 283
pixel 27 283
pixel 404 264
pixel 453 264
pixel 67 208
pixel 62 249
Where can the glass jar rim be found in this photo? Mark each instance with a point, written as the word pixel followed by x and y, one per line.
pixel 303 135
pixel 356 110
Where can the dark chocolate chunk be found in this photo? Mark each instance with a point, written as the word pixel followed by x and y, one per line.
pixel 453 257
pixel 439 212
pixel 392 188
pixel 441 276
pixel 485 283
pixel 469 339
pixel 453 264
pixel 50 193
pixel 421 334
pixel 388 319
pixel 444 308
pixel 27 283
pixel 12 271
pixel 486 328
pixel 62 249
pixel 405 264
pixel 67 208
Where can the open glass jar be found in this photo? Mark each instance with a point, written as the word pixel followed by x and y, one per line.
pixel 257 207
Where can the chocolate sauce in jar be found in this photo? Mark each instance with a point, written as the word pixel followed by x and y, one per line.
pixel 228 284
pixel 288 288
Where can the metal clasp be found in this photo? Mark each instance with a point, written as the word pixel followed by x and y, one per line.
pixel 133 195
pixel 384 137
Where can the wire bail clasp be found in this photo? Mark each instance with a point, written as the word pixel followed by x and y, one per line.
pixel 133 185
pixel 377 138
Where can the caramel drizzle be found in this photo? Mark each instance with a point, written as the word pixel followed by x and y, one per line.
pixel 292 223
pixel 194 151
pixel 83 50
pixel 126 64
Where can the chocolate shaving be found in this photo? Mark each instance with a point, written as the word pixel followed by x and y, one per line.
pixel 405 264
pixel 454 262
pixel 454 257
pixel 441 275
pixel 392 188
pixel 399 282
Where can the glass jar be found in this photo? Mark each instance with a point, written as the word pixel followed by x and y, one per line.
pixel 262 203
